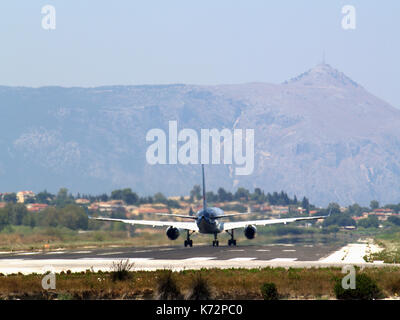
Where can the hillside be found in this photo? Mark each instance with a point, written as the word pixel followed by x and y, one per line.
pixel 319 134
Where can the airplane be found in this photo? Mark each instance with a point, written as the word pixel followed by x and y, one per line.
pixel 207 221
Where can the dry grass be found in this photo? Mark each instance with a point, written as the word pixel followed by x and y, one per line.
pixel 224 283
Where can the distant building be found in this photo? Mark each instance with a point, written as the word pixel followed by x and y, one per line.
pixel 152 210
pixel 109 206
pixel 23 196
pixel 36 207
pixel 278 210
pixel 82 201
pixel 382 214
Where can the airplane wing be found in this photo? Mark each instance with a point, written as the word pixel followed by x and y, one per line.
pixel 243 224
pixel 232 215
pixel 194 217
pixel 192 226
pixel 175 215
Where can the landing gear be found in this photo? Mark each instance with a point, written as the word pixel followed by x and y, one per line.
pixel 215 242
pixel 231 241
pixel 188 241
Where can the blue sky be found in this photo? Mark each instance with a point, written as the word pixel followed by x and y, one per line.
pixel 199 42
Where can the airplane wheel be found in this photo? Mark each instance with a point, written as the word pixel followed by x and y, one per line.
pixel 217 243
pixel 191 243
pixel 186 243
pixel 234 243
pixel 229 242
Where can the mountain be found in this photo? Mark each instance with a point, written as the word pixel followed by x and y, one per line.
pixel 319 134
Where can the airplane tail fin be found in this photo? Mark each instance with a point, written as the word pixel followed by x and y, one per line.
pixel 204 188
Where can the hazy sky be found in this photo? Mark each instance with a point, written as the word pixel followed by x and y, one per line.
pixel 199 42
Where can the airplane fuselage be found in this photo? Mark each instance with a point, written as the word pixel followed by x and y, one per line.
pixel 207 222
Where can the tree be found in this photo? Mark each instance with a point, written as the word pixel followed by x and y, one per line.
pixel 305 204
pixel 73 217
pixel 10 197
pixel 17 212
pixel 160 198
pixel 129 197
pixel 242 193
pixel 195 193
pixel 211 197
pixel 48 217
pixel 103 197
pixel 44 197
pixel 370 222
pixel 117 195
pixel 334 208
pixel 4 218
pixel 355 210
pixel 63 198
pixel 395 220
pixel 223 195
pixel 374 205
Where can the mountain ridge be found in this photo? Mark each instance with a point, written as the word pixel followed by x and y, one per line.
pixel 319 134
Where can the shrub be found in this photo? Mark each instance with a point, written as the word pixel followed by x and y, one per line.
pixel 366 289
pixel 395 286
pixel 269 291
pixel 120 270
pixel 167 288
pixel 201 289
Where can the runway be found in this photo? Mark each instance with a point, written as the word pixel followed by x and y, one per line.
pixel 179 258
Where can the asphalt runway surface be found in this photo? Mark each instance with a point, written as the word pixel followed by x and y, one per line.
pixel 293 252
pixel 180 258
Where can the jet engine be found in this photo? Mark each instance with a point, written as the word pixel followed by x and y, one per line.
pixel 250 232
pixel 172 233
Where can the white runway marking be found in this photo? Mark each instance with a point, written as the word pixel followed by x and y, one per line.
pixel 236 250
pixel 352 253
pixel 108 253
pixel 263 250
pixel 289 250
pixel 280 244
pixel 242 259
pixel 82 252
pixel 199 258
pixel 141 251
pixel 116 259
pixel 26 253
pixel 166 249
pixel 283 259
pixel 55 252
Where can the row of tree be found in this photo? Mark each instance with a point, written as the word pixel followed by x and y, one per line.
pixel 71 216
pixel 243 194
